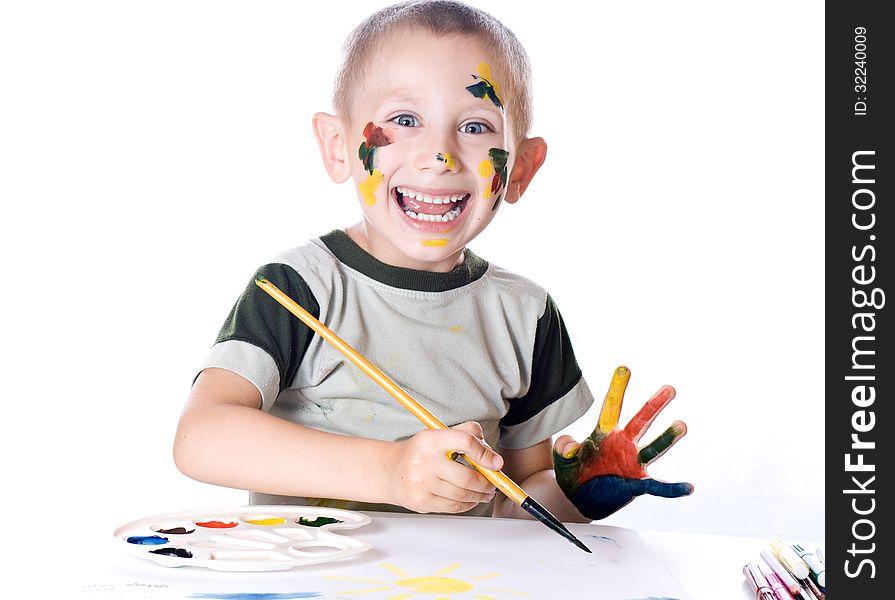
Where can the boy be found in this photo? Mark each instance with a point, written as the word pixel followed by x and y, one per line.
pixel 433 111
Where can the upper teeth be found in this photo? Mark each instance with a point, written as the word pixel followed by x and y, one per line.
pixel 429 199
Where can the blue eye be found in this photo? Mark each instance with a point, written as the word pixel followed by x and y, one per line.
pixel 406 121
pixel 475 128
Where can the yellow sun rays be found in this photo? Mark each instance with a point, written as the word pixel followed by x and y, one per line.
pixel 436 583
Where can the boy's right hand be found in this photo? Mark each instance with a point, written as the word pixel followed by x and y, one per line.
pixel 421 476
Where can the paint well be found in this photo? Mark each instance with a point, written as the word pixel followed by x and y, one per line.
pixel 175 531
pixel 178 552
pixel 267 521
pixel 147 540
pixel 217 524
pixel 318 522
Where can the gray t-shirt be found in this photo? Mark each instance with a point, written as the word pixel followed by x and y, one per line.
pixel 475 344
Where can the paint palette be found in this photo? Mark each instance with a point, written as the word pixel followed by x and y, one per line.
pixel 246 538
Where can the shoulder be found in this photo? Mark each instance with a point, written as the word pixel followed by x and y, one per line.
pixel 516 288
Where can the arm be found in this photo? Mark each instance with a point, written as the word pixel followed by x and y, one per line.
pixel 223 438
pixel 532 469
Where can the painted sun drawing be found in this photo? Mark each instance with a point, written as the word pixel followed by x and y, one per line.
pixel 438 584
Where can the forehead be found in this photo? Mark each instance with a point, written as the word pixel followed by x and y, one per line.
pixel 410 65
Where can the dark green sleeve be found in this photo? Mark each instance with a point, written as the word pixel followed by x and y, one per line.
pixel 258 319
pixel 554 369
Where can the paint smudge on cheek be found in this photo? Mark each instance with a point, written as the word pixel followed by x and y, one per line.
pixel 486 171
pixel 447 159
pixel 435 243
pixel 498 158
pixel 368 186
pixel 178 552
pixel 486 87
pixel 374 138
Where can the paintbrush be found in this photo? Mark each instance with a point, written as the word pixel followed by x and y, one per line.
pixel 506 485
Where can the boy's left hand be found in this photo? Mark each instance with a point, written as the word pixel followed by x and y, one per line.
pixel 607 470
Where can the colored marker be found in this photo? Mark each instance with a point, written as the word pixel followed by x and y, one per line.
pixel 818 571
pixel 785 576
pixel 806 594
pixel 757 582
pixel 819 553
pixel 809 583
pixel 777 586
pixel 789 559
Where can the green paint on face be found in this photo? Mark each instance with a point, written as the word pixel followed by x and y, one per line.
pixel 318 522
pixel 498 158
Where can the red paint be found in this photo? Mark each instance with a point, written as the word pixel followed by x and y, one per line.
pixel 617 456
pixel 217 525
pixel 376 137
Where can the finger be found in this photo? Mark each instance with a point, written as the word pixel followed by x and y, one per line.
pixel 462 483
pixel 472 446
pixel 654 487
pixel 646 415
pixel 566 446
pixel 612 403
pixel 661 444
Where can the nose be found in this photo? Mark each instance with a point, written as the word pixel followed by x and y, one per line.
pixel 436 153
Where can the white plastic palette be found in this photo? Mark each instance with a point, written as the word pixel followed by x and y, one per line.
pixel 247 538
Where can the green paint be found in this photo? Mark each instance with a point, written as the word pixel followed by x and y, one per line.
pixel 499 158
pixel 318 522
pixel 659 445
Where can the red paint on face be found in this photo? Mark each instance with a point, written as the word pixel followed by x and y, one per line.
pixel 376 137
pixel 617 456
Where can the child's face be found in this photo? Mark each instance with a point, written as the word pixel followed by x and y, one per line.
pixel 433 148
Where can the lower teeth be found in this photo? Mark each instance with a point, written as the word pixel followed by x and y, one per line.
pixel 448 216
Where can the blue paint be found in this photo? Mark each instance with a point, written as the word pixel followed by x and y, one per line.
pixel 250 596
pixel 147 540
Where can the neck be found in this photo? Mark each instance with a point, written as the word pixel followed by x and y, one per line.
pixel 381 249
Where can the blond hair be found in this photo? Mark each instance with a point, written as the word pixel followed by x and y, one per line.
pixel 441 18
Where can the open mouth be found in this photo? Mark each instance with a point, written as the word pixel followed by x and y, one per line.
pixel 430 208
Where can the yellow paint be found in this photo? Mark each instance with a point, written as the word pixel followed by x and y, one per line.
pixel 485 73
pixel 485 576
pixel 368 188
pixel 612 404
pixel 448 569
pixel 449 161
pixel 270 521
pixel 456 328
pixel 486 170
pixel 438 242
pixel 572 451
pixel 435 585
pixel 394 569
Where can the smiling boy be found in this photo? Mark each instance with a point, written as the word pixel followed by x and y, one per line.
pixel 432 115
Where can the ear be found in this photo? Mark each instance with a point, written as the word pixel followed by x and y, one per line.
pixel 530 155
pixel 330 134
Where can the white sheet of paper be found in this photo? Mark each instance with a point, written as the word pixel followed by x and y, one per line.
pixel 414 557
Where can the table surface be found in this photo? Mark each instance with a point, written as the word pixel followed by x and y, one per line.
pixel 704 566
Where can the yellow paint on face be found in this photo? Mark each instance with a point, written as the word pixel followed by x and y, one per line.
pixel 485 73
pixel 486 170
pixel 439 242
pixel 435 585
pixel 449 161
pixel 368 187
pixel 270 521
pixel 612 404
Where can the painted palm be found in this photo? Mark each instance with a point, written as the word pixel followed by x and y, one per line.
pixel 607 470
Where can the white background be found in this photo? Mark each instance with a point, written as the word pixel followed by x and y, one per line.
pixel 153 154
